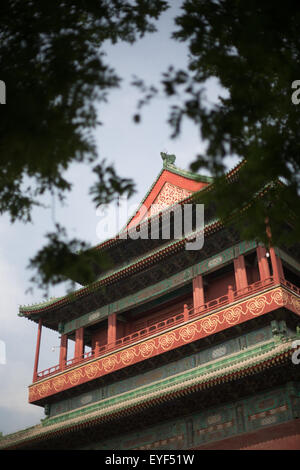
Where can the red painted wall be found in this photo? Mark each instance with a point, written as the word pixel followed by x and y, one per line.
pixel 252 274
pixel 158 314
pixel 219 286
pixel 100 335
pixel 151 316
pixel 212 289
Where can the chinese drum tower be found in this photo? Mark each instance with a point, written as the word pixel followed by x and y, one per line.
pixel 175 348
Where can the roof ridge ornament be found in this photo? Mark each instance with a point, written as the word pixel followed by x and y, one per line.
pixel 167 159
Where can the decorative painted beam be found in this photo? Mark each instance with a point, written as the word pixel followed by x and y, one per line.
pixel 193 330
pixel 255 407
pixel 180 381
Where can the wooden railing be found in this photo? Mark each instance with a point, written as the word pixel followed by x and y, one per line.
pixel 50 371
pixel 188 313
pixel 290 286
pixel 150 330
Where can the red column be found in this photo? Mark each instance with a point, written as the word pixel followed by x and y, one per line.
pixel 240 272
pixel 198 292
pixel 79 343
pixel 63 351
pixel 230 294
pixel 37 351
pixel 280 268
pixel 185 312
pixel 112 329
pixel 97 347
pixel 263 265
pixel 275 267
pixel 243 272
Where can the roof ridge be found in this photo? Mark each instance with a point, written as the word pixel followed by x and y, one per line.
pixel 168 166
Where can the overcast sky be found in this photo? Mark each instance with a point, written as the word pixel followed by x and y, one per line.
pixel 135 151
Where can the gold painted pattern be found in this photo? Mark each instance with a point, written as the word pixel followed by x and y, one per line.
pixel 169 195
pixel 201 327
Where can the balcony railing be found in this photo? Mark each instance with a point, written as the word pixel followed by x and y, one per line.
pixel 290 286
pixel 189 313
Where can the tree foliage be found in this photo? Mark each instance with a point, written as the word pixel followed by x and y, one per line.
pixel 51 58
pixel 253 49
pixel 56 74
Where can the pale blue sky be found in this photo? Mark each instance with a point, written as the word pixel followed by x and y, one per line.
pixel 135 151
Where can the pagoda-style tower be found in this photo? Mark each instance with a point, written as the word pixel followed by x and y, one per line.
pixel 188 349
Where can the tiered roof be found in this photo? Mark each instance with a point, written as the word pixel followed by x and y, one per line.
pixel 172 185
